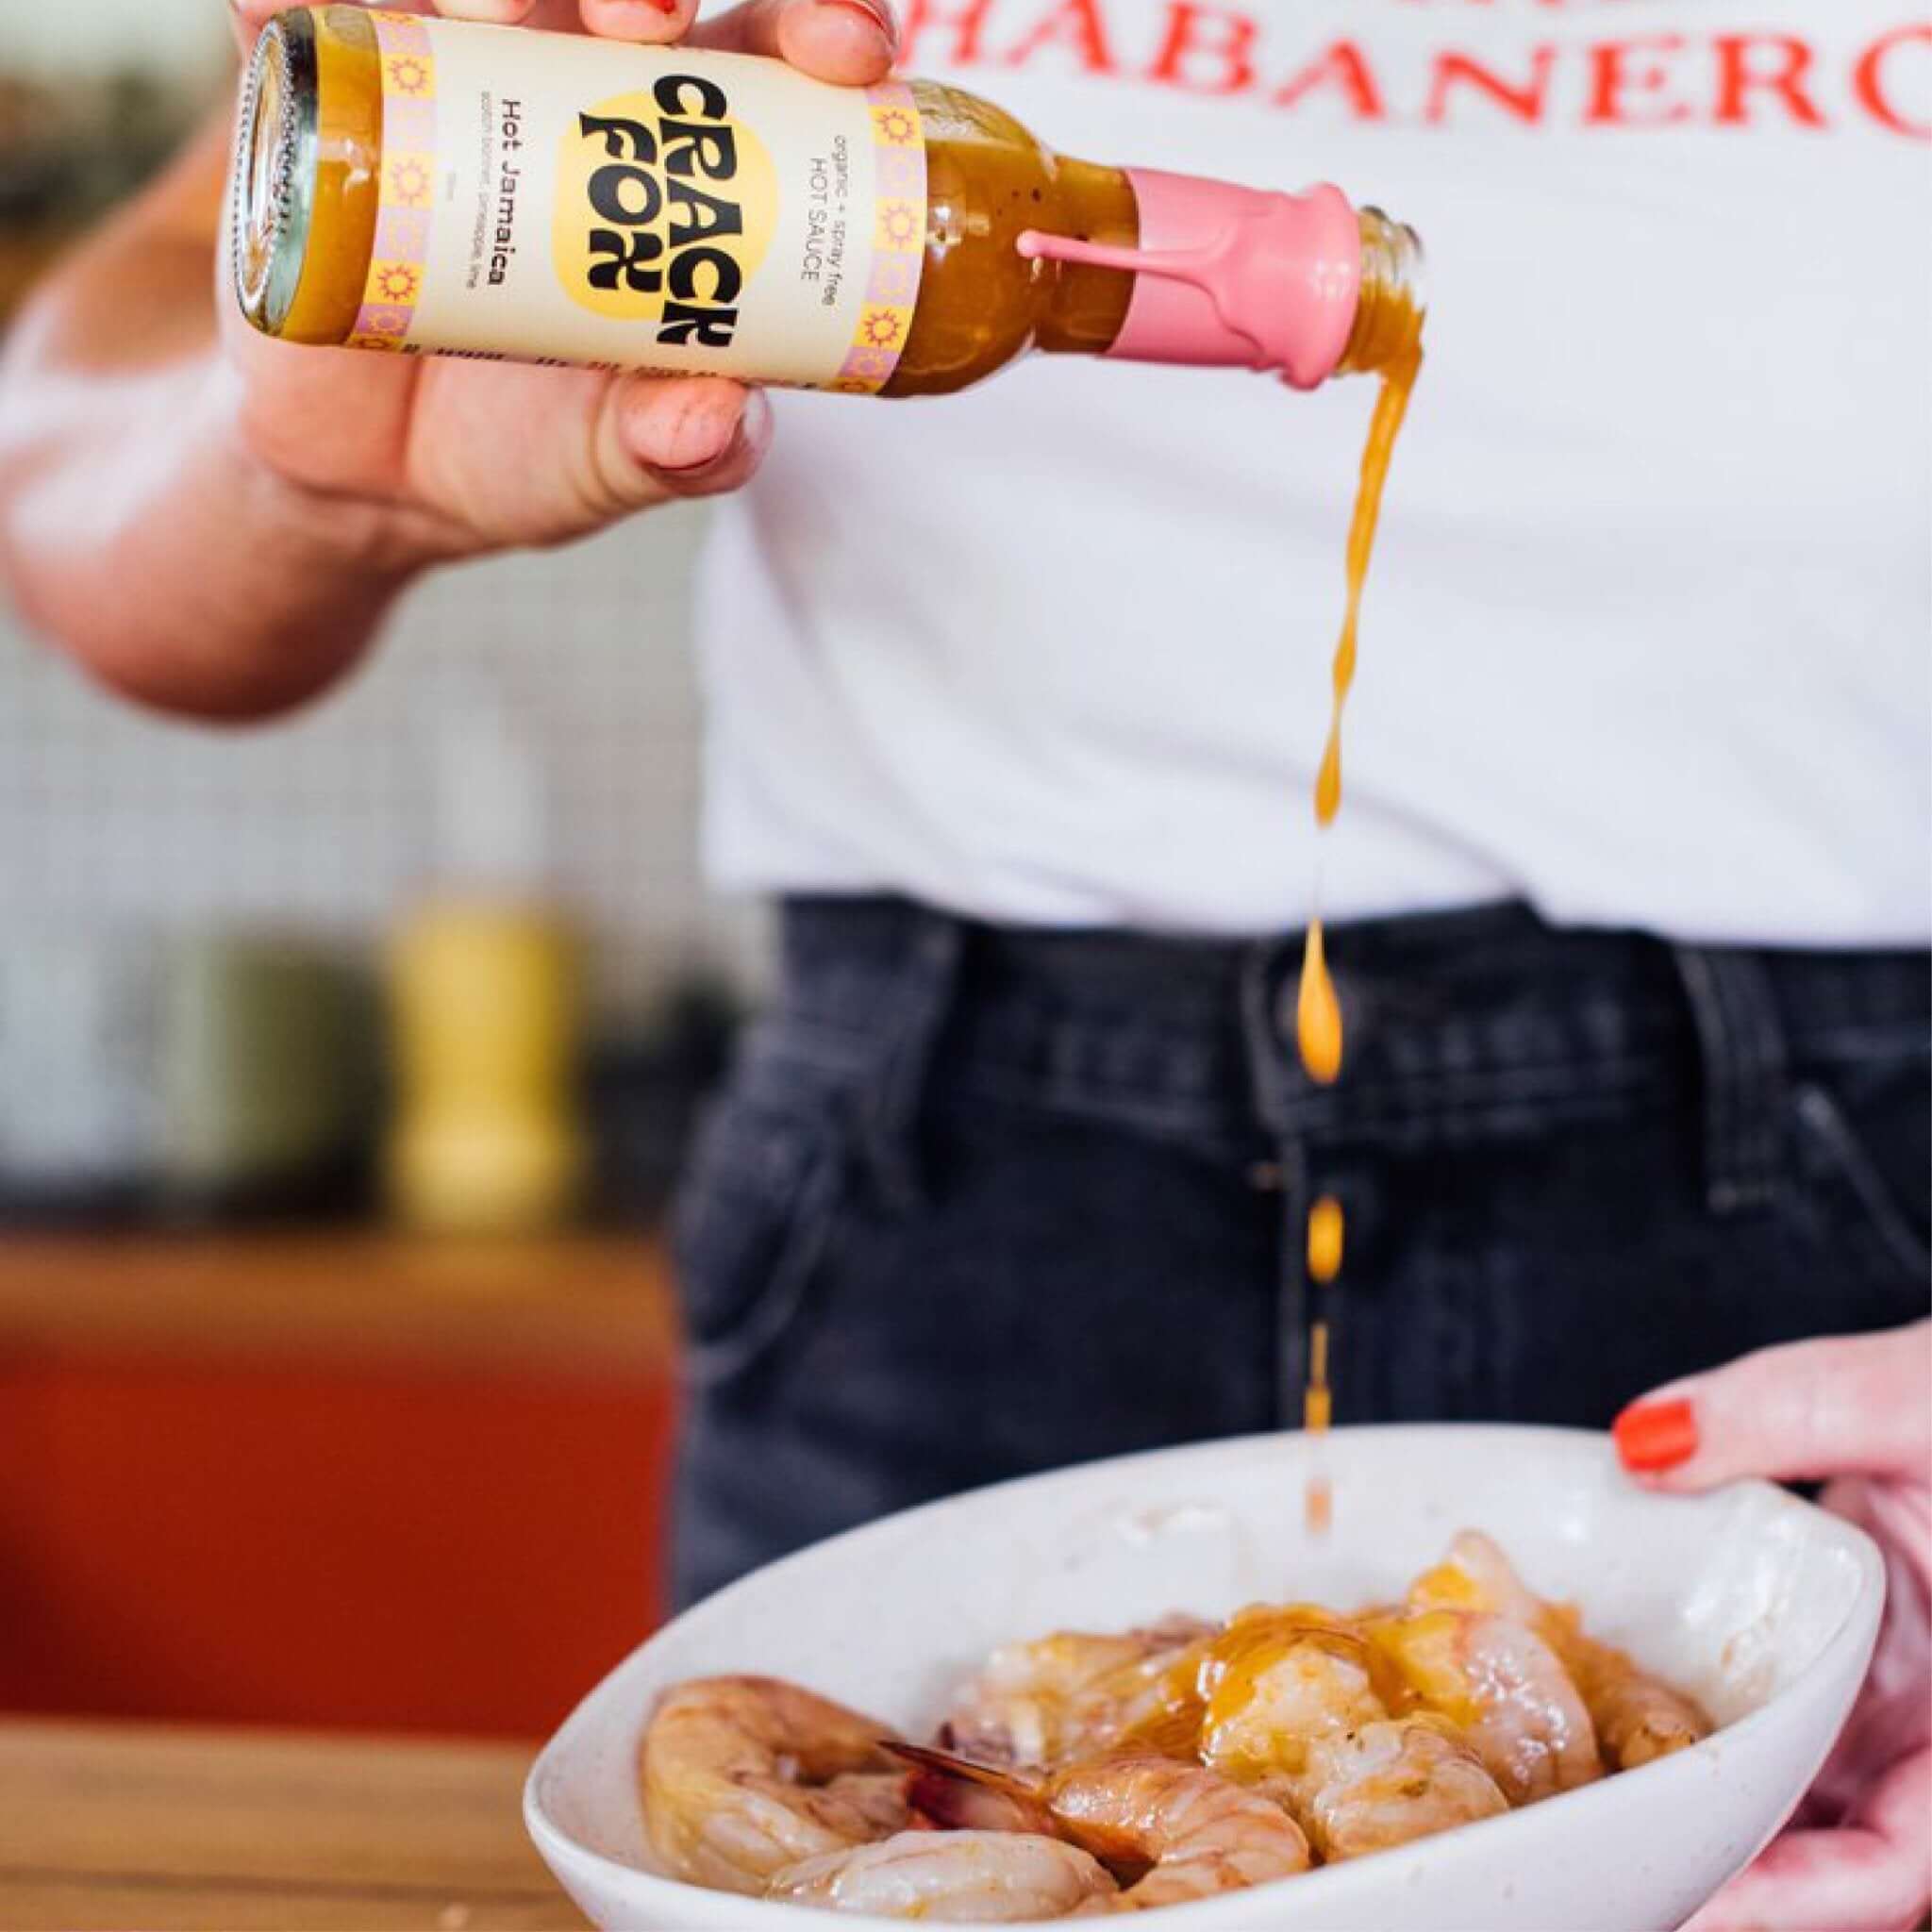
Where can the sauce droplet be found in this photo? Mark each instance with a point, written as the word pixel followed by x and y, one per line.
pixel 1317 1402
pixel 1317 1505
pixel 1325 1228
pixel 1328 780
pixel 1318 1499
pixel 1318 1013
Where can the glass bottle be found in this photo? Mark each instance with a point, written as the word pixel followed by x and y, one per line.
pixel 434 186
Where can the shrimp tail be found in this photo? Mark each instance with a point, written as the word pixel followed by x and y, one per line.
pixel 961 1795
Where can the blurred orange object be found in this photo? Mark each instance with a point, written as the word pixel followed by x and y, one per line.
pixel 340 1481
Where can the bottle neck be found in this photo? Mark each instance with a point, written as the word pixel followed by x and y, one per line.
pixel 1391 300
pixel 1085 305
pixel 1302 285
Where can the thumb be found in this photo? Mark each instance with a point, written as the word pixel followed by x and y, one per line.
pixel 690 436
pixel 511 460
pixel 1844 1406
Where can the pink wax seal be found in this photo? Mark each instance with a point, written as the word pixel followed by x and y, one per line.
pixel 1231 275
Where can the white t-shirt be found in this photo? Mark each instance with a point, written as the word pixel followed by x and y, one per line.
pixel 1648 632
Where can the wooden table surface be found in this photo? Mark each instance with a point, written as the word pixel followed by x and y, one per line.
pixel 580 1304
pixel 111 1826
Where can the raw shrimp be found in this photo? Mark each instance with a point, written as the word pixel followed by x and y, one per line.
pixel 984 1876
pixel 1299 1704
pixel 1187 1831
pixel 743 1776
pixel 1476 1575
pixel 1504 1688
pixel 1276 1679
pixel 1391 1781
pixel 1637 1717
pixel 1073 1695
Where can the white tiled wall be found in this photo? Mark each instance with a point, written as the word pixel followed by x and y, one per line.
pixel 112 820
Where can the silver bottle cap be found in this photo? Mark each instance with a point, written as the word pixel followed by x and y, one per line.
pixel 274 171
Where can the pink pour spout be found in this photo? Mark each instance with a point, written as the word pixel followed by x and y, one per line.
pixel 1231 275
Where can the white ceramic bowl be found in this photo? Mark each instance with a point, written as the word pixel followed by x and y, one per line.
pixel 1763 1606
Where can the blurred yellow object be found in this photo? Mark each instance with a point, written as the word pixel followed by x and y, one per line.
pixel 484 1009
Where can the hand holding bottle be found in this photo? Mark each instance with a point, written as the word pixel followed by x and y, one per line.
pixel 756 219
pixel 496 456
pixel 1858 1411
pixel 217 525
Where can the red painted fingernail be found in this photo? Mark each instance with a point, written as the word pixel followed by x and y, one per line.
pixel 1652 1435
pixel 876 11
pixel 612 14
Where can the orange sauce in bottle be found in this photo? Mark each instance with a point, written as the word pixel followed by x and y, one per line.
pixel 980 304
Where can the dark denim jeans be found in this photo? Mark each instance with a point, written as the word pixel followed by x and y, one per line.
pixel 979 1202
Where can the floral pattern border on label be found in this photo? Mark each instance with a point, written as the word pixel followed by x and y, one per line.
pixel 408 178
pixel 898 241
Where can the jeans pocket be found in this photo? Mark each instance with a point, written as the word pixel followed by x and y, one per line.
pixel 1857 1202
pixel 753 1218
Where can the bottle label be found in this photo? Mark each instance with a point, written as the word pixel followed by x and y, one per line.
pixel 554 197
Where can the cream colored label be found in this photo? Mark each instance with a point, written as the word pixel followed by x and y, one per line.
pixel 554 197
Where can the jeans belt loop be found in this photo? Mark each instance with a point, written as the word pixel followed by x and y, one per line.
pixel 1740 1038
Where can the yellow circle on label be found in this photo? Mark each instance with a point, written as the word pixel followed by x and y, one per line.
pixel 665 203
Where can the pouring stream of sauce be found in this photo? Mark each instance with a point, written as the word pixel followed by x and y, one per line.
pixel 1318 1011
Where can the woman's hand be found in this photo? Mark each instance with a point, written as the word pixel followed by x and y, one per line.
pixel 217 523
pixel 472 456
pixel 1857 1857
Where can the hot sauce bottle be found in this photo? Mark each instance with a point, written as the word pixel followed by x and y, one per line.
pixel 416 185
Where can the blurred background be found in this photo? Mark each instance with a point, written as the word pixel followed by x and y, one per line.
pixel 345 1069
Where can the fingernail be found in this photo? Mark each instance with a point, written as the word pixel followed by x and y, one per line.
pixel 1652 1435
pixel 620 17
pixel 753 430
pixel 875 11
pixel 486 12
pixel 684 472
